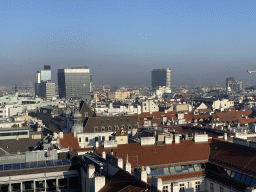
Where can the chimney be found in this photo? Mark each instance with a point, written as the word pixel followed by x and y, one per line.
pixel 140 174
pixel 168 139
pixel 225 136
pixel 99 183
pixel 103 154
pixel 127 165
pixel 120 162
pixel 97 144
pixel 157 183
pixel 176 139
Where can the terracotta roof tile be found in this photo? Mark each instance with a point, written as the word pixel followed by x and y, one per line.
pixel 237 156
pixel 186 151
pixel 123 181
pixel 69 141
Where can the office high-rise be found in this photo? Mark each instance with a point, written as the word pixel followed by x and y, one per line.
pixel 44 87
pixel 161 77
pixel 75 83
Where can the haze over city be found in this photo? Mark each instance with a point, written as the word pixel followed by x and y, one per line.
pixel 121 42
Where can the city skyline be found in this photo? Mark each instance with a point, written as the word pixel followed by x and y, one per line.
pixel 122 42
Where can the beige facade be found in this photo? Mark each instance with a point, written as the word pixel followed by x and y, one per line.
pixel 183 107
pixel 122 139
pixel 118 95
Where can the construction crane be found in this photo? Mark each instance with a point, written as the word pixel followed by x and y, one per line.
pixel 251 71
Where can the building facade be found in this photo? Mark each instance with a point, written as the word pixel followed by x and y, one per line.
pixel 161 77
pixel 75 83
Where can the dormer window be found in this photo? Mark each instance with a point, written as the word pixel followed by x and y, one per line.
pixel 102 129
pixel 129 126
pixel 116 127
pixel 108 120
pixel 122 132
pixel 95 129
pixel 122 126
pixel 109 128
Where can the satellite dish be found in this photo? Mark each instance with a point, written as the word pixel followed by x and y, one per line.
pixel 148 170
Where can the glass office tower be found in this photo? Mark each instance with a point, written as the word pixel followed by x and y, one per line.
pixel 75 83
pixel 161 77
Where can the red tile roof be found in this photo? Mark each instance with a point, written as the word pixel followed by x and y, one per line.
pixel 69 141
pixel 180 176
pixel 123 181
pixel 186 151
pixel 237 156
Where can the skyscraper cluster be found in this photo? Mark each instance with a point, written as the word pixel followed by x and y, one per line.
pixel 44 87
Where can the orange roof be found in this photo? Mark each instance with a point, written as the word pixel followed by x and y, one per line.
pixel 69 141
pixel 186 151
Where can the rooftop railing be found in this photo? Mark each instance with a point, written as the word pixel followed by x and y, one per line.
pixel 31 165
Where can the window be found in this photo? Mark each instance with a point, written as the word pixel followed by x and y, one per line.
pixel 121 120
pixel 86 139
pixel 101 121
pixel 165 188
pixel 114 120
pixel 95 129
pixel 108 120
pixel 122 126
pixel 116 127
pixel 129 126
pixel 96 139
pixel 79 139
pixel 102 129
pixel 221 189
pixel 109 128
pixel 211 187
pixel 86 114
pixel 182 187
pixel 128 119
pixel 103 138
pixel 197 185
pixel 109 138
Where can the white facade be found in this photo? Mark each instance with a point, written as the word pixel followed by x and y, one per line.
pixel 223 104
pixel 129 110
pixel 87 140
pixel 149 106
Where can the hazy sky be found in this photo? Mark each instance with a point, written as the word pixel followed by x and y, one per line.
pixel 203 41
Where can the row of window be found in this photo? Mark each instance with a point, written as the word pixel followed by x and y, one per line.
pixel 177 169
pixel 102 138
pixel 14 133
pixel 197 186
pixel 109 128
pixel 121 120
pixel 233 175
